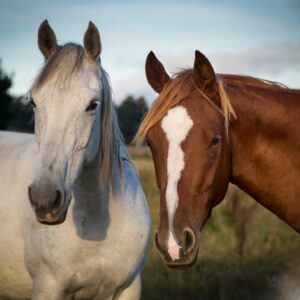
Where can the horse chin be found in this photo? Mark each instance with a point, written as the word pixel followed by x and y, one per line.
pixel 52 218
pixel 184 263
pixel 53 221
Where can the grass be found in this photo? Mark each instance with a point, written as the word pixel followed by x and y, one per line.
pixel 270 251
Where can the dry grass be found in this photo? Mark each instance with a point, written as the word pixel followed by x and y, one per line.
pixel 270 251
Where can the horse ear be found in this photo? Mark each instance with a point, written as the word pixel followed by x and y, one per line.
pixel 46 39
pixel 156 73
pixel 203 73
pixel 92 42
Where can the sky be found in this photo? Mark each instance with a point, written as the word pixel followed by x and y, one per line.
pixel 259 37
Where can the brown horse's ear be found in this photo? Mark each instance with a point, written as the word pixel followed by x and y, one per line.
pixel 92 42
pixel 203 73
pixel 156 73
pixel 46 39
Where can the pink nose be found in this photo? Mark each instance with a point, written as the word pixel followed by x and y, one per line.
pixel 173 248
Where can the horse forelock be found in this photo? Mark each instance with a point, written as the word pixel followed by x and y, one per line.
pixel 66 61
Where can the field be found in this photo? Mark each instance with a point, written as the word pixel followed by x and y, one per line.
pixel 246 252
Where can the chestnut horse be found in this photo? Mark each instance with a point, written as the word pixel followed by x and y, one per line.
pixel 206 130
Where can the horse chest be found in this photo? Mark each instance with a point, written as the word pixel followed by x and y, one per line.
pixel 99 276
pixel 101 264
pixel 90 267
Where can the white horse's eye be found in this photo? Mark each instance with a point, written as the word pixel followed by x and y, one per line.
pixel 93 105
pixel 30 100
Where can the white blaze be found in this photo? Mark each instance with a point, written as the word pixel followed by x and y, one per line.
pixel 176 124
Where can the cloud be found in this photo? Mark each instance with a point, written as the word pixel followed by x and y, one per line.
pixel 273 61
pixel 129 29
pixel 295 4
pixel 269 58
pixel 135 84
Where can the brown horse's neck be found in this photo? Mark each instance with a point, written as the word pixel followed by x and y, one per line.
pixel 265 148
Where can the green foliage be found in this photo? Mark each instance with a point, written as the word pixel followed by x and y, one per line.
pixel 130 113
pixel 214 279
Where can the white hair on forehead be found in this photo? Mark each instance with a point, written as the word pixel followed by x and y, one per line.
pixel 66 61
pixel 176 125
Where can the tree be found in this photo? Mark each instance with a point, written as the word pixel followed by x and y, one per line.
pixel 22 116
pixel 5 99
pixel 14 113
pixel 130 113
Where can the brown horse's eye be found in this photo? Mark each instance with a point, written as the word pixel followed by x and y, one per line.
pixel 148 143
pixel 215 141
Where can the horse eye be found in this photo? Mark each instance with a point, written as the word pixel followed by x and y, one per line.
pixel 93 105
pixel 215 141
pixel 148 143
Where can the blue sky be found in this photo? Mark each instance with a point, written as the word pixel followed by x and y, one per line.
pixel 258 38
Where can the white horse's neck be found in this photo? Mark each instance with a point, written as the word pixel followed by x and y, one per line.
pixel 91 202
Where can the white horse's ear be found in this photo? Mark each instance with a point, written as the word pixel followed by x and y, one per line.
pixel 47 39
pixel 92 42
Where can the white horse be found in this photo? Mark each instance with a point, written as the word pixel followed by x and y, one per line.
pixel 75 175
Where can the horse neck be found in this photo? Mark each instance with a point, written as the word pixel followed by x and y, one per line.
pixel 92 199
pixel 265 143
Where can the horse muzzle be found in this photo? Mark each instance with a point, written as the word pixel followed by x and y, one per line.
pixel 179 256
pixel 50 218
pixel 49 204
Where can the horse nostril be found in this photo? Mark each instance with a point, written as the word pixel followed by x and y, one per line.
pixel 30 195
pixel 58 199
pixel 156 241
pixel 189 241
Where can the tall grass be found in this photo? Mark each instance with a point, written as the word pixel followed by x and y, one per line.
pixel 270 251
